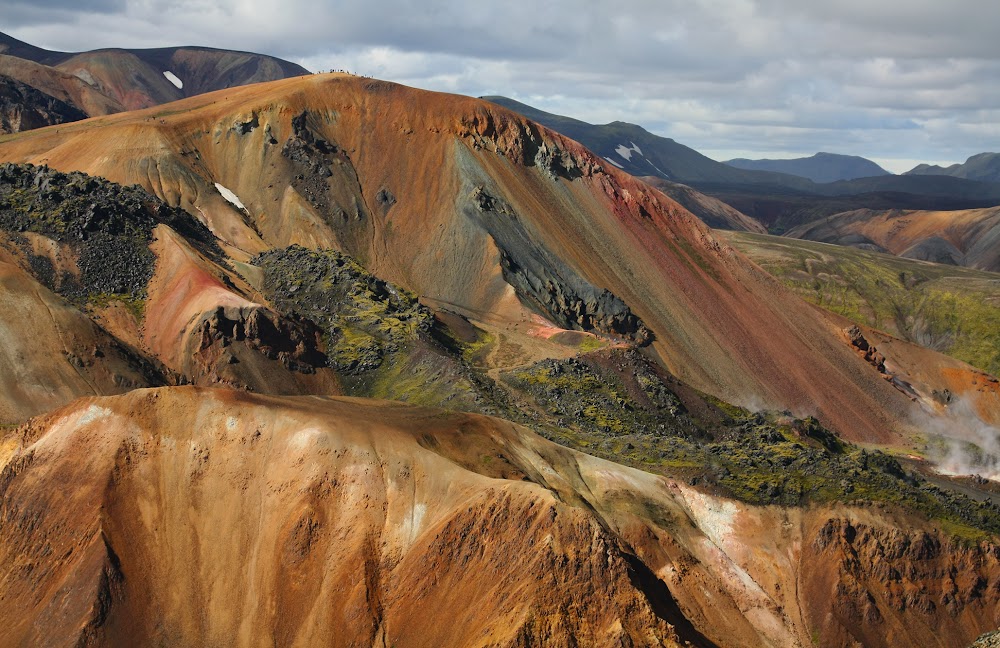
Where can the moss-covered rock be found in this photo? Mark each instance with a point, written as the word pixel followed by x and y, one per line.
pixel 618 405
pixel 107 226
pixel 365 318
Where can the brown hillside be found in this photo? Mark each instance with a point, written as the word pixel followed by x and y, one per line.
pixel 63 86
pixel 969 238
pixel 51 353
pixel 446 195
pixel 106 81
pixel 207 516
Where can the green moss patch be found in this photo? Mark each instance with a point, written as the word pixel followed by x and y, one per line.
pixel 946 308
pixel 618 405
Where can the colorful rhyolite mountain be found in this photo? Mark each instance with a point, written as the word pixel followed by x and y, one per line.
pixel 332 235
pixel 968 237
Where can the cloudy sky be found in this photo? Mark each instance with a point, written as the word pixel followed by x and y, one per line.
pixel 898 81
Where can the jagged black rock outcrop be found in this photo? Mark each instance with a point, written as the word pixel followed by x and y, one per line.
pixel 24 108
pixel 108 225
pixel 548 284
pixel 364 317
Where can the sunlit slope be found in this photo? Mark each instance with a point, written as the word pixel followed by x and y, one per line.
pixel 209 516
pixel 969 238
pixel 950 309
pixel 468 204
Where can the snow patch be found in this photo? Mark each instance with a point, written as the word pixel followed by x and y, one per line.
pixel 627 151
pixel 172 78
pixel 614 163
pixel 662 172
pixel 230 196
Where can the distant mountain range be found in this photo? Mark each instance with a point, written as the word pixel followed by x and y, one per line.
pixel 778 200
pixel 984 167
pixel 821 167
pixel 67 86
pixel 634 149
pixel 968 238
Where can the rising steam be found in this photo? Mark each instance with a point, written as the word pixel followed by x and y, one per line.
pixel 963 443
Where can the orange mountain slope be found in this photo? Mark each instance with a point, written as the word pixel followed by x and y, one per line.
pixel 968 238
pixel 473 206
pixel 51 353
pixel 210 516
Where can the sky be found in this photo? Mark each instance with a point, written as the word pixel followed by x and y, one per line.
pixel 898 81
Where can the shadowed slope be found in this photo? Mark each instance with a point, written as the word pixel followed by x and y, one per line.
pixel 715 213
pixel 984 167
pixel 63 86
pixel 24 108
pixel 821 167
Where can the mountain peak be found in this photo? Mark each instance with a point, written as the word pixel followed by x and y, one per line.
pixel 820 167
pixel 983 167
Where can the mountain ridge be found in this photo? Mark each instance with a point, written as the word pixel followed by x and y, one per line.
pixel 984 167
pixel 820 167
pixel 631 222
pixel 661 156
pixel 111 80
pixel 779 201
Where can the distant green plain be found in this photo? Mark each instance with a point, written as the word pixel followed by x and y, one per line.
pixel 946 308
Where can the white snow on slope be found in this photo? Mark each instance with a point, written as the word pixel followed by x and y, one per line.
pixel 614 163
pixel 626 151
pixel 662 172
pixel 172 78
pixel 230 196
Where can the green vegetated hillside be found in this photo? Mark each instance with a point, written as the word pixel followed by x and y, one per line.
pixel 946 308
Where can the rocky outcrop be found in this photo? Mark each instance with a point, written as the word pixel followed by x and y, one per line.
pixel 226 335
pixel 546 282
pixel 988 640
pixel 364 318
pixel 869 352
pixel 107 227
pixel 25 108
pixel 325 176
pixel 573 304
pixel 893 587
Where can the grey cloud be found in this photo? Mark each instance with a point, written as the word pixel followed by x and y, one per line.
pixel 906 78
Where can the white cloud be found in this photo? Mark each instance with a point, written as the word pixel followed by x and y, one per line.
pixel 893 79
